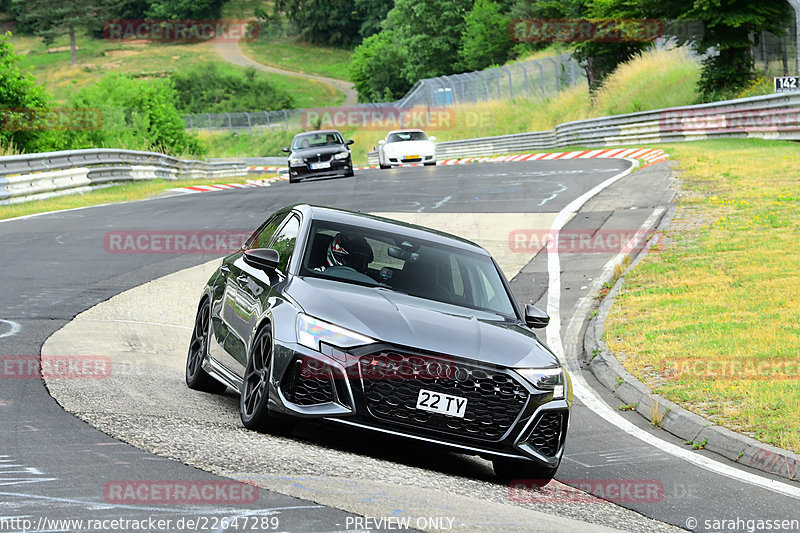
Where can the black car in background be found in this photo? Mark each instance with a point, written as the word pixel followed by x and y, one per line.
pixel 378 324
pixel 319 154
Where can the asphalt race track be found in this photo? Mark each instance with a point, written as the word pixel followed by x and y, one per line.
pixel 55 465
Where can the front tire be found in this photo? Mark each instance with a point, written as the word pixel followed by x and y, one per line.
pixel 196 377
pixel 510 470
pixel 255 389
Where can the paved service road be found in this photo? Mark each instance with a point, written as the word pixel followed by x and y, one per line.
pixel 59 267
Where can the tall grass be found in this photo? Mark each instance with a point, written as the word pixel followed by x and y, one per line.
pixel 652 80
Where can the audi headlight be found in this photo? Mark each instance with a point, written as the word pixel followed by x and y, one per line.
pixel 312 333
pixel 296 161
pixel 342 155
pixel 547 379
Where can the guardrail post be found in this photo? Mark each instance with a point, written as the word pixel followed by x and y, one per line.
pixel 286 116
pixel 268 123
pixel 249 124
pixel 209 120
pixel 230 124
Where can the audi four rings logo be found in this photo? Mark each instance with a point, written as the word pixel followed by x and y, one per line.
pixel 415 368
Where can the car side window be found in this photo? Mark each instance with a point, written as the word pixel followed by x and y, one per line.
pixel 285 241
pixel 263 236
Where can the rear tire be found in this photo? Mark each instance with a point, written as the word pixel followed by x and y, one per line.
pixel 196 377
pixel 254 398
pixel 349 174
pixel 510 470
pixel 385 167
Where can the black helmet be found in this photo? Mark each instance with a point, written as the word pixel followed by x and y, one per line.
pixel 351 250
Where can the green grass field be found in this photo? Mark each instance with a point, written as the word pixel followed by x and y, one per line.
pixel 142 59
pixel 712 321
pixel 297 56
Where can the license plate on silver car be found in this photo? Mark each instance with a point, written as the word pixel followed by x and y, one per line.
pixel 437 402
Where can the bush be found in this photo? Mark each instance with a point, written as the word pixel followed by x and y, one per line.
pixel 185 9
pixel 212 89
pixel 137 114
pixel 374 68
pixel 485 40
pixel 18 90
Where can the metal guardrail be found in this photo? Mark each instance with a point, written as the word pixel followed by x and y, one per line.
pixel 39 176
pixel 34 176
pixel 766 117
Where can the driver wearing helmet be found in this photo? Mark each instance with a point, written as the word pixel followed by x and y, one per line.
pixel 349 250
pixel 348 256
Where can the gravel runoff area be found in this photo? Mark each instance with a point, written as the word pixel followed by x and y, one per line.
pixel 144 402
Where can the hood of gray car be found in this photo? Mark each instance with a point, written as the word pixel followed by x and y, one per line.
pixel 407 321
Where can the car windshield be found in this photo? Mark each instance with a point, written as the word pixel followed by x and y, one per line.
pixel 420 268
pixel 406 136
pixel 316 140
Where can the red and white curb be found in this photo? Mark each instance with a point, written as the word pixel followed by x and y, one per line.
pixel 266 182
pixel 649 155
pixel 264 169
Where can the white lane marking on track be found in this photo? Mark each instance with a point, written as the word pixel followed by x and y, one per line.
pixel 441 202
pixel 552 196
pixel 588 396
pixel 15 328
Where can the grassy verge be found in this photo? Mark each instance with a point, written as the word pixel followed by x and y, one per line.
pixel 124 192
pixel 712 322
pixel 142 59
pixel 298 56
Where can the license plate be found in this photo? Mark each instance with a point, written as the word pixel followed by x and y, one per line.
pixel 445 404
pixel 318 166
pixel 412 157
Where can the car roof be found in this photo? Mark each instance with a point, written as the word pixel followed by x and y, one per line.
pixel 405 131
pixel 373 222
pixel 317 131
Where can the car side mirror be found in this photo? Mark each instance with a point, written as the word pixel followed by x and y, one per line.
pixel 349 142
pixel 431 139
pixel 535 318
pixel 287 149
pixel 262 258
pixel 381 142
